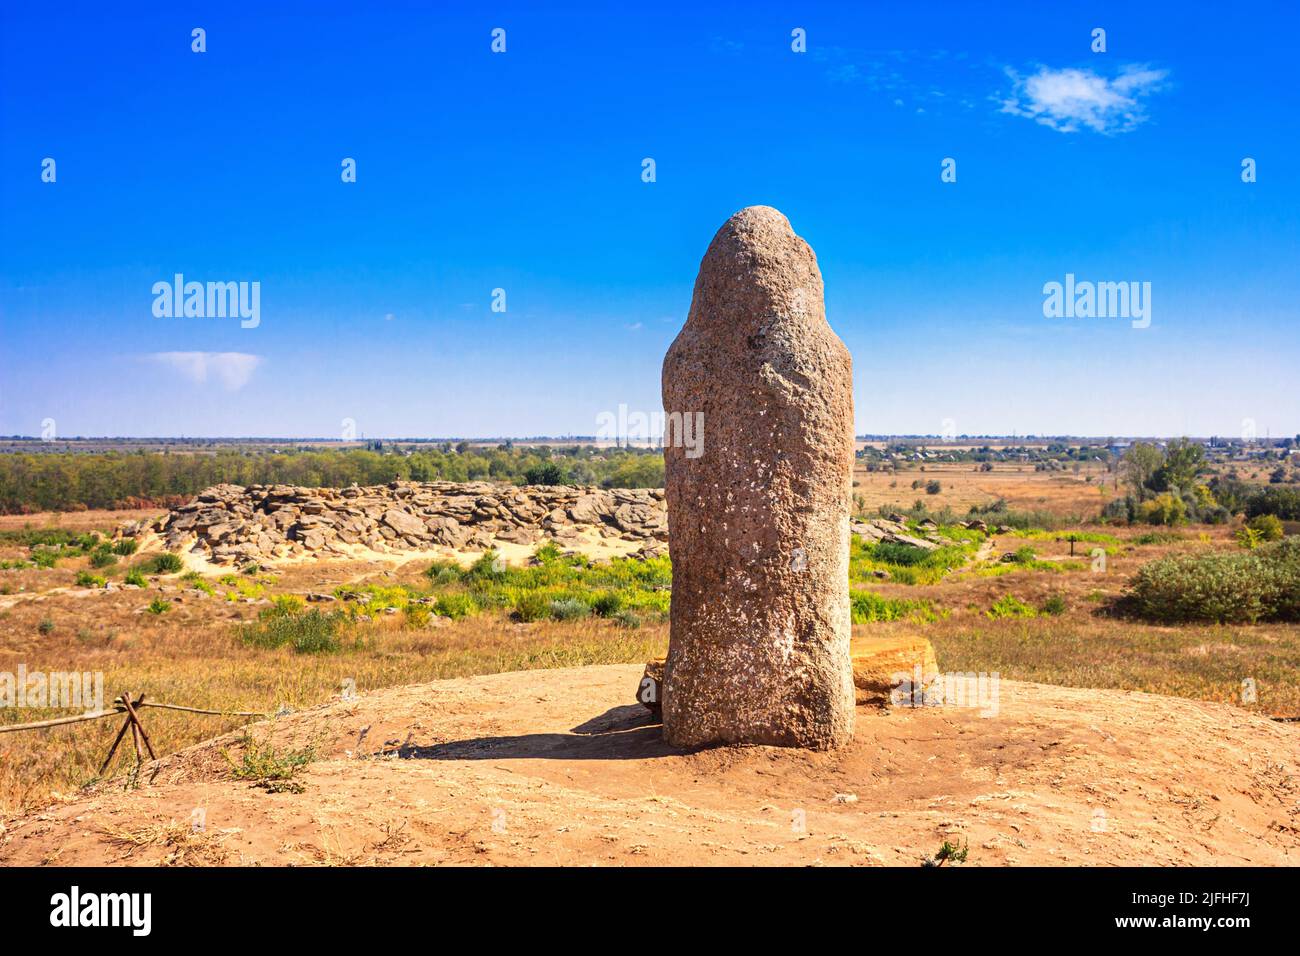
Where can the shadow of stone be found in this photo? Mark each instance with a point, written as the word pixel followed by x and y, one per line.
pixel 621 733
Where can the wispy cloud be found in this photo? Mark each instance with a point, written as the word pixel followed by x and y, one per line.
pixel 1070 99
pixel 903 77
pixel 231 369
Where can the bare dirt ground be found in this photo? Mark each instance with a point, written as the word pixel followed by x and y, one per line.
pixel 560 767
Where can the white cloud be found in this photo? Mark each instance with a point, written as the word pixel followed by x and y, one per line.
pixel 1070 99
pixel 232 369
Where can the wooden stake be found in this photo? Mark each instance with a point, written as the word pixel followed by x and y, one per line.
pixel 126 700
pixel 113 749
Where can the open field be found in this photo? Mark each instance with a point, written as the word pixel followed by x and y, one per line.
pixel 1058 628
pixel 963 486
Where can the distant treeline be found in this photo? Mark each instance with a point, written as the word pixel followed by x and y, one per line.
pixel 61 481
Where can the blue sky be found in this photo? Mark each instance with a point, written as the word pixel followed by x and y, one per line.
pixel 522 171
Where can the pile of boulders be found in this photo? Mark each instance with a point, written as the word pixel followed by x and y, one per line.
pixel 231 524
pixel 892 530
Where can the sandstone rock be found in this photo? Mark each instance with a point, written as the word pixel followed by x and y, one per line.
pixel 759 638
pixel 518 535
pixel 226 523
pixel 882 667
pixel 404 523
pixel 910 541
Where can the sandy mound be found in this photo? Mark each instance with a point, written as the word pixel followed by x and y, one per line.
pixel 560 767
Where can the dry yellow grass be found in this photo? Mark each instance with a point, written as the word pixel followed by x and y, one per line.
pixel 192 655
pixel 1062 493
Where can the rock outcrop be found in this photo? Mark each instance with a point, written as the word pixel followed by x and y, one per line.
pixel 231 524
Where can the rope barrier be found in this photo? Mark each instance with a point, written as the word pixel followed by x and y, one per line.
pixel 120 708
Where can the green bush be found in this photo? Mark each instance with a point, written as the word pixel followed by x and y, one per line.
pixel 125 547
pixel 307 632
pixel 607 604
pixel 533 606
pixel 165 563
pixel 1054 605
pixel 1166 509
pixel 417 615
pixel 442 573
pixel 102 558
pixel 1010 606
pixel 159 606
pixel 455 606
pixel 87 580
pixel 1269 527
pixel 549 473
pixel 905 555
pixel 628 619
pixel 1228 588
pixel 569 609
pixel 135 577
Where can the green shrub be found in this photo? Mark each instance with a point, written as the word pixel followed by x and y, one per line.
pixel 1167 509
pixel 135 577
pixel 906 555
pixel 44 557
pixel 1010 606
pixel 1249 538
pixel 628 619
pixel 1054 605
pixel 87 580
pixel 1269 527
pixel 455 606
pixel 125 547
pixel 102 557
pixel 549 473
pixel 489 567
pixel 159 606
pixel 569 609
pixel 442 573
pixel 532 606
pixel 289 603
pixel 417 615
pixel 165 563
pixel 307 632
pixel 46 626
pixel 1228 588
pixel 607 604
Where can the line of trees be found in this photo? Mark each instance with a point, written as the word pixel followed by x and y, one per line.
pixel 69 481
